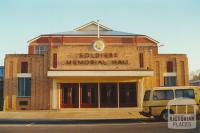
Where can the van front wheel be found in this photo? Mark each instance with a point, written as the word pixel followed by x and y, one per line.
pixel 164 115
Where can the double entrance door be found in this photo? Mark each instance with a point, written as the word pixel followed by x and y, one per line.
pixel 70 95
pixel 127 95
pixel 109 95
pixel 88 95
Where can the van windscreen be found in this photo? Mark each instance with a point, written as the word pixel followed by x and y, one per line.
pixel 147 95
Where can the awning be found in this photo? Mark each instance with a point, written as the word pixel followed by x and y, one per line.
pixel 99 73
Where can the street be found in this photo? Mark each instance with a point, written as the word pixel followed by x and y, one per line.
pixel 130 127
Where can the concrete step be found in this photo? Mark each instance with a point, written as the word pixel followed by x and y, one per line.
pixel 83 113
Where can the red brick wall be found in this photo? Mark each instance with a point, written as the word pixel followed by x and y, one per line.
pixel 91 39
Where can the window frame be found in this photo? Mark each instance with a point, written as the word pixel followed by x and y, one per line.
pixel 163 99
pixel 1 71
pixel 24 67
pixel 183 93
pixel 141 60
pixel 166 80
pixel 55 60
pixel 23 89
pixel 40 49
pixel 170 66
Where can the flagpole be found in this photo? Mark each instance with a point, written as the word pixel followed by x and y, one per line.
pixel 98 35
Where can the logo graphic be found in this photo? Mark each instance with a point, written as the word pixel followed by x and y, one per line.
pixel 182 113
pixel 99 45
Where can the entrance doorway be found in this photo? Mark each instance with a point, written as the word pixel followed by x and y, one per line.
pixel 69 95
pixel 93 95
pixel 127 95
pixel 108 93
pixel 89 95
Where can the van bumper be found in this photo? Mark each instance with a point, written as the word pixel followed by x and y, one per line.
pixel 146 114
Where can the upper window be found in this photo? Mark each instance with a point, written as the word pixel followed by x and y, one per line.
pixel 24 87
pixel 170 81
pixel 163 95
pixel 147 95
pixel 40 49
pixel 54 60
pixel 24 67
pixel 185 93
pixel 141 59
pixel 170 66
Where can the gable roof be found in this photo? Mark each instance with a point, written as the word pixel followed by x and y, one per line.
pixel 92 26
pixel 92 33
pixel 90 29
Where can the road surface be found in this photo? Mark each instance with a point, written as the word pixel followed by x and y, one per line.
pixel 95 127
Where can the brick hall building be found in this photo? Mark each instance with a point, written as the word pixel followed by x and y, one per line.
pixel 92 66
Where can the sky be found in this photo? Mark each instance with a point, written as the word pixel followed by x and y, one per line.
pixel 174 23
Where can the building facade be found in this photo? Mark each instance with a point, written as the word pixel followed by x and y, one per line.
pixel 84 69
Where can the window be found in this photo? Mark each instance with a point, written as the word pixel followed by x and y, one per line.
pixel 54 60
pixel 23 103
pixel 163 95
pixel 147 95
pixel 141 59
pixel 24 67
pixel 1 89
pixel 24 87
pixel 1 71
pixel 40 49
pixel 170 66
pixel 170 81
pixel 186 93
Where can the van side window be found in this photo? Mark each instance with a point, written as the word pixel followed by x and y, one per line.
pixel 163 95
pixel 147 96
pixel 185 93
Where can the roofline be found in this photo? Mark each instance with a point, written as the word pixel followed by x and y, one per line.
pixel 52 35
pixel 151 39
pixel 92 22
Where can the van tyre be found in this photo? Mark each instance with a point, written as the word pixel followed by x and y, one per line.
pixel 164 115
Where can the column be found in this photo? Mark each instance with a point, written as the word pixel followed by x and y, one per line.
pixel 58 95
pixel 79 96
pixel 54 96
pixel 99 97
pixel 142 91
pixel 118 95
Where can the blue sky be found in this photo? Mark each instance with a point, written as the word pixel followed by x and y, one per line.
pixel 174 23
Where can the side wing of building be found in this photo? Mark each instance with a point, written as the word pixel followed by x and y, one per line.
pixel 26 85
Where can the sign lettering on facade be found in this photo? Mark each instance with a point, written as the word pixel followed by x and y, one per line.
pixel 96 59
pixel 86 58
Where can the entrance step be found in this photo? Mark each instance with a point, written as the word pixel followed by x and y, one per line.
pixel 104 113
pixel 83 113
